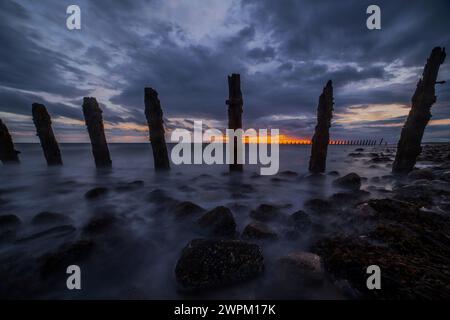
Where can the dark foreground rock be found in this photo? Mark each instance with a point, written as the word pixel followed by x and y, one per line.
pixel 219 221
pixel 411 247
pixel 66 255
pixel 216 263
pixel 351 181
pixel 304 266
pixel 259 231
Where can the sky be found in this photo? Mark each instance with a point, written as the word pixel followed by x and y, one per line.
pixel 284 50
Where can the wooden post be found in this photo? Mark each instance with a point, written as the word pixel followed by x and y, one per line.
pixel 381 141
pixel 7 152
pixel 155 121
pixel 409 145
pixel 44 131
pixel 235 109
pixel 94 122
pixel 317 162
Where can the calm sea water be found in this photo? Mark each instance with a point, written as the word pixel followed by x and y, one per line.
pixel 140 261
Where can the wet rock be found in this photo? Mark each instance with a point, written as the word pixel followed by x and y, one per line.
pixel 68 254
pixel 186 208
pixel 101 223
pixel 349 198
pixel 216 263
pixel 9 222
pixel 300 220
pixel 351 181
pixel 258 230
pixel 421 174
pixel 318 205
pixel 359 149
pixel 159 196
pixel 58 231
pixel 50 218
pixel 356 155
pixel 96 193
pixel 421 195
pixel 302 265
pixel 333 173
pixel 219 221
pixel 266 212
pixel 380 159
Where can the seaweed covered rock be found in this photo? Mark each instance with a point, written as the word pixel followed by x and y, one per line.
pixel 410 246
pixel 216 263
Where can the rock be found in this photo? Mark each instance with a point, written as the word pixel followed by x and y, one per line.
pixel 265 213
pixel 421 195
pixel 303 265
pixel 216 263
pixel 333 173
pixel 219 221
pixel 159 196
pixel 300 220
pixel 421 174
pixel 318 205
pixel 186 208
pixel 349 198
pixel 100 224
pixel 351 181
pixel 50 218
pixel 95 193
pixel 9 222
pixel 58 231
pixel 359 149
pixel 380 159
pixel 74 253
pixel 258 230
pixel 356 154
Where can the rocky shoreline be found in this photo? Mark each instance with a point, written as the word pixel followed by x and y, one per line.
pixel 404 229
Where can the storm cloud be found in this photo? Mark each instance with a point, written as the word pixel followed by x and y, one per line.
pixel 284 50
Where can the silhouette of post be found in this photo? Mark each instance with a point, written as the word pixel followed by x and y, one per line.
pixel 154 115
pixel 381 141
pixel 94 122
pixel 7 152
pixel 235 108
pixel 44 131
pixel 317 162
pixel 409 145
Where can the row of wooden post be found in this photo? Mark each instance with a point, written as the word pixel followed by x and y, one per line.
pixel 409 146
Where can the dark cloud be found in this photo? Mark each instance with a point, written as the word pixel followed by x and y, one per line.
pixel 284 50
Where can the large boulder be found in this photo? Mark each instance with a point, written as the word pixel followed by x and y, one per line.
pixel 351 181
pixel 219 221
pixel 215 263
pixel 302 265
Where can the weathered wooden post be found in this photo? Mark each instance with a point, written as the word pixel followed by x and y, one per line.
pixel 94 122
pixel 155 121
pixel 409 145
pixel 44 131
pixel 317 162
pixel 7 152
pixel 235 109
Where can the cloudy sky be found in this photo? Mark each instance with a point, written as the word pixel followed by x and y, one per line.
pixel 284 50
